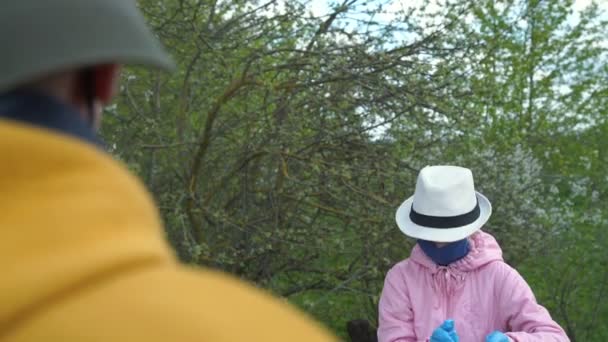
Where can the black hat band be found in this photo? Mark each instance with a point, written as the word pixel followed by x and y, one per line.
pixel 443 222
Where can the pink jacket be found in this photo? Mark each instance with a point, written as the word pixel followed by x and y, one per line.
pixel 480 292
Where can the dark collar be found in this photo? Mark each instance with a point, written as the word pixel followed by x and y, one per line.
pixel 447 254
pixel 37 109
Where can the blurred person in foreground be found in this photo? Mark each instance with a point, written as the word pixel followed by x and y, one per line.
pixel 455 285
pixel 82 251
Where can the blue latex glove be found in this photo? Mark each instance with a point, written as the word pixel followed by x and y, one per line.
pixel 497 336
pixel 445 333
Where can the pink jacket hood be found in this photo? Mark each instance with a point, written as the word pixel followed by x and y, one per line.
pixel 480 292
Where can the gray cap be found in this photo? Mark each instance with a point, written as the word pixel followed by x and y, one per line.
pixel 39 37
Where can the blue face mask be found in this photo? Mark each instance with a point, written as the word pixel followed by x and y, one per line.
pixel 447 254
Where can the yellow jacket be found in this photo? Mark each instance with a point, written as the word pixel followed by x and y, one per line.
pixel 83 258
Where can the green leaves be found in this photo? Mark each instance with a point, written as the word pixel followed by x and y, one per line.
pixel 282 146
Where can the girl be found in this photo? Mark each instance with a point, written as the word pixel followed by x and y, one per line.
pixel 456 271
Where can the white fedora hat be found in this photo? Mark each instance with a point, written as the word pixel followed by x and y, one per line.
pixel 445 206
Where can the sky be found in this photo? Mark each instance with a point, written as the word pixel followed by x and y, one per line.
pixel 391 9
pixel 321 7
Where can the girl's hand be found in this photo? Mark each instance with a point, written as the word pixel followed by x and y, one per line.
pixel 445 333
pixel 497 336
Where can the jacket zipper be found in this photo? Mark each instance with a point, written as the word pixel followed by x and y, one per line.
pixel 447 296
pixel 448 311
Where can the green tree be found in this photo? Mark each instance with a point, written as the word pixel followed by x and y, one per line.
pixel 282 146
